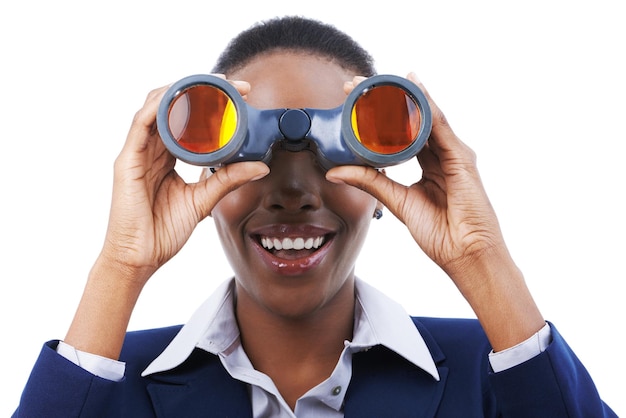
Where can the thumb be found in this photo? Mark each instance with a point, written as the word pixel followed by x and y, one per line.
pixel 208 192
pixel 388 192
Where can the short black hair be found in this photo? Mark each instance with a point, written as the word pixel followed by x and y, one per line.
pixel 298 34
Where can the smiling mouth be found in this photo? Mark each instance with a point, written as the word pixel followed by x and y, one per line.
pixel 292 248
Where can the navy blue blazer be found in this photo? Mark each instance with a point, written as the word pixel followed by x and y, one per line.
pixel 553 384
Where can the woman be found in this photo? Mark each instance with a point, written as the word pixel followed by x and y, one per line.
pixel 295 333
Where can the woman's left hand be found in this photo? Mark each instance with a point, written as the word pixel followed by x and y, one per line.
pixel 450 217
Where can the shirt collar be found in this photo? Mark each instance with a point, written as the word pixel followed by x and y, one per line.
pixel 384 321
pixel 378 320
pixel 215 317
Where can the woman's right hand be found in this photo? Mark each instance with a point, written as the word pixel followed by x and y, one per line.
pixel 153 213
pixel 153 210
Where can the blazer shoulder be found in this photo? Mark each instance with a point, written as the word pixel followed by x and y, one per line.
pixel 453 335
pixel 445 326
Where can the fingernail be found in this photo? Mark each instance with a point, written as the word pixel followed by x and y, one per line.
pixel 334 179
pixel 262 174
pixel 240 83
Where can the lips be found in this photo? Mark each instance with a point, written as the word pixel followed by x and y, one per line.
pixel 292 249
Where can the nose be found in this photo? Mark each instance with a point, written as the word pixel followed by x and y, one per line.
pixel 294 183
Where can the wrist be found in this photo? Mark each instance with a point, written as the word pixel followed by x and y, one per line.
pixel 496 290
pixel 116 265
pixel 476 273
pixel 104 311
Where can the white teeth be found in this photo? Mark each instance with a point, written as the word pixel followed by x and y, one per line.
pixel 292 243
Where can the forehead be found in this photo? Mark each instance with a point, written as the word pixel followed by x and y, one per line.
pixel 293 79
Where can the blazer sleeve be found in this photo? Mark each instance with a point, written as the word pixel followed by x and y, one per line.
pixel 59 388
pixel 555 383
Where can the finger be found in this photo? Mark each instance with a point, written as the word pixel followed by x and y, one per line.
pixel 348 86
pixel 243 87
pixel 451 152
pixel 144 123
pixel 440 123
pixel 137 154
pixel 431 168
pixel 442 136
pixel 211 190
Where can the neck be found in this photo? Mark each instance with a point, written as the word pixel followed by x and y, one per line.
pixel 296 351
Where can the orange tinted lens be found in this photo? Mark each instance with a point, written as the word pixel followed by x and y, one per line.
pixel 202 119
pixel 385 119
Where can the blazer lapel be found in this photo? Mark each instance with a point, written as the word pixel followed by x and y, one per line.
pixel 199 387
pixel 385 384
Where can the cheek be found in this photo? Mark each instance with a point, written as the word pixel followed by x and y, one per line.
pixel 230 213
pixel 236 205
pixel 354 206
pixel 356 209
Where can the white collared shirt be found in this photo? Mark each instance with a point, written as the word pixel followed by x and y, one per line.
pixel 378 320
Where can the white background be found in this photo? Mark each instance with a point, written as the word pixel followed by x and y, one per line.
pixel 536 89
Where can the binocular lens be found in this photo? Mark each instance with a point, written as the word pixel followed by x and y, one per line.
pixel 385 120
pixel 202 119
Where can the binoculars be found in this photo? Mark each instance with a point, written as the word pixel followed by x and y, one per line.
pixel 385 120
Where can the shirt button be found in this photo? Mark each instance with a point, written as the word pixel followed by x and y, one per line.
pixel 336 390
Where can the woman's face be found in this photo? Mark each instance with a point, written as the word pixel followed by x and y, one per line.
pixel 292 237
